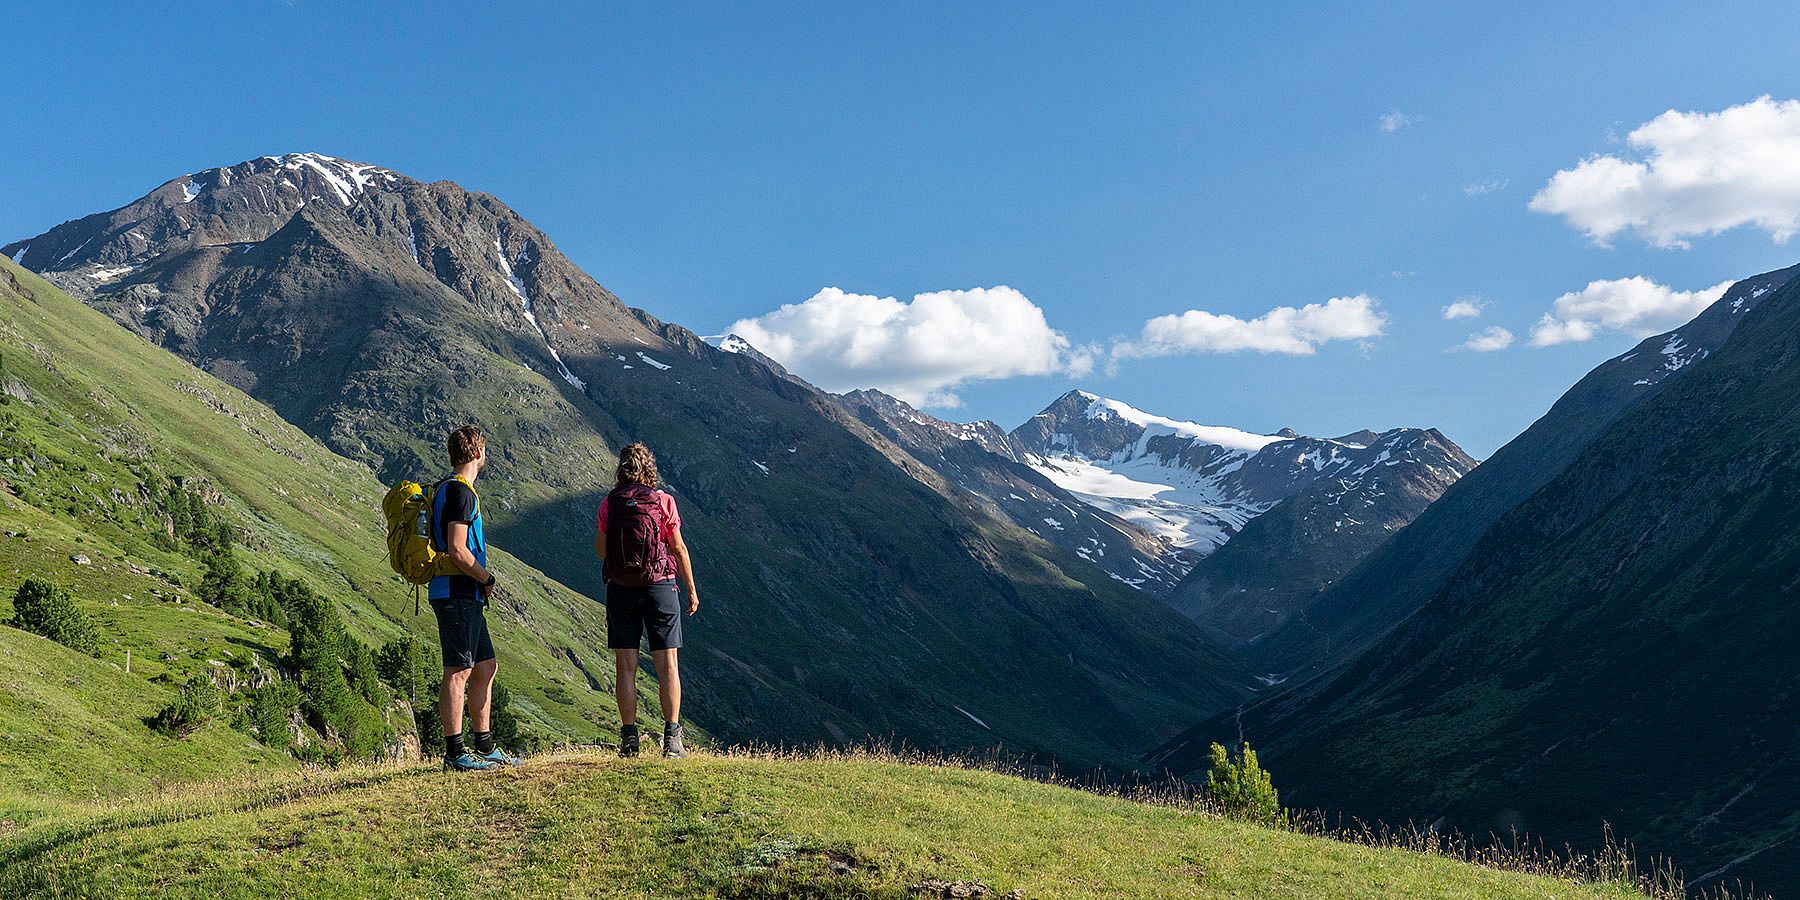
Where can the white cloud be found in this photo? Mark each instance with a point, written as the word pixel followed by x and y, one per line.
pixel 1700 173
pixel 1465 308
pixel 919 351
pixel 1487 340
pixel 1636 305
pixel 1394 120
pixel 1484 186
pixel 1284 329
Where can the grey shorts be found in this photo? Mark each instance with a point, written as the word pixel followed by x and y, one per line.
pixel 633 611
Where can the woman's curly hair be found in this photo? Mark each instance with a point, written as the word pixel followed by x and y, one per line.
pixel 637 465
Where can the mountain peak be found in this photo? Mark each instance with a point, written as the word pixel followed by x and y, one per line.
pixel 1360 438
pixel 336 179
pixel 735 344
pixel 237 204
pixel 1196 485
pixel 731 343
pixel 1095 408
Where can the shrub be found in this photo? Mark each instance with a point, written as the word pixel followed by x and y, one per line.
pixel 197 703
pixel 1242 788
pixel 412 668
pixel 318 649
pixel 224 584
pixel 363 675
pixel 47 609
pixel 404 664
pixel 429 727
pixel 286 598
pixel 269 710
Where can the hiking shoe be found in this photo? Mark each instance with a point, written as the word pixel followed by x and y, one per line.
pixel 673 747
pixel 468 762
pixel 499 757
pixel 628 740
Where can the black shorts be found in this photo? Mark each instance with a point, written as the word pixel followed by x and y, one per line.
pixel 631 611
pixel 462 632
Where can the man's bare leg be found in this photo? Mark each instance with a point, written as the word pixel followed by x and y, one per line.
pixel 450 709
pixel 481 694
pixel 450 699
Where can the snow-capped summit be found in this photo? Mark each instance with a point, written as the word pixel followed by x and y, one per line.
pixel 1197 485
pixel 1105 408
pixel 731 343
pixel 1145 497
pixel 979 460
pixel 229 205
pixel 735 344
pixel 296 178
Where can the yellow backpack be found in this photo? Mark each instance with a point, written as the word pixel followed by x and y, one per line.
pixel 408 508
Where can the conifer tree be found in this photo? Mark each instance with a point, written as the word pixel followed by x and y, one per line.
pixel 1242 788
pixel 41 607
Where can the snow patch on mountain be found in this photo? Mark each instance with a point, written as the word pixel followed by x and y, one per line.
pixel 347 179
pixel 78 249
pixel 1232 438
pixel 1185 508
pixel 512 281
pixel 1196 486
pixel 1679 354
pixel 1737 306
pixel 972 717
pixel 19 255
pixel 110 274
pixel 518 287
pixel 1189 502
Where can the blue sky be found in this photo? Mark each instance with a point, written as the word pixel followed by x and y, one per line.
pixel 1112 164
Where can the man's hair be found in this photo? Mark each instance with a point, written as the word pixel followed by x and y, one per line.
pixel 465 444
pixel 637 465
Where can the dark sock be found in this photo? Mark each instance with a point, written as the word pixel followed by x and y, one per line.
pixel 630 727
pixel 484 741
pixel 453 746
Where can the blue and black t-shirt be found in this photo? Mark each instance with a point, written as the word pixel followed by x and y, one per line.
pixel 456 502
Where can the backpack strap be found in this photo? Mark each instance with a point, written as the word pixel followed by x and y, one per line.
pixel 480 540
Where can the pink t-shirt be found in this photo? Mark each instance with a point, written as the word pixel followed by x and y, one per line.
pixel 671 518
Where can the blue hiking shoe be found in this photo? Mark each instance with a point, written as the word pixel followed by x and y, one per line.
pixel 499 757
pixel 468 762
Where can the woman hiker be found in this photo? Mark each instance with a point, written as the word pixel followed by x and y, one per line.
pixel 641 551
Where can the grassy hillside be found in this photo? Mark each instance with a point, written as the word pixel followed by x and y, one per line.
pixel 98 430
pixel 592 826
pixel 73 728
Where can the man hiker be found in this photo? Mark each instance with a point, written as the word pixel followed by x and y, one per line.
pixel 641 552
pixel 458 600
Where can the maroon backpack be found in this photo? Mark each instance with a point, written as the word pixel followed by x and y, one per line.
pixel 635 552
